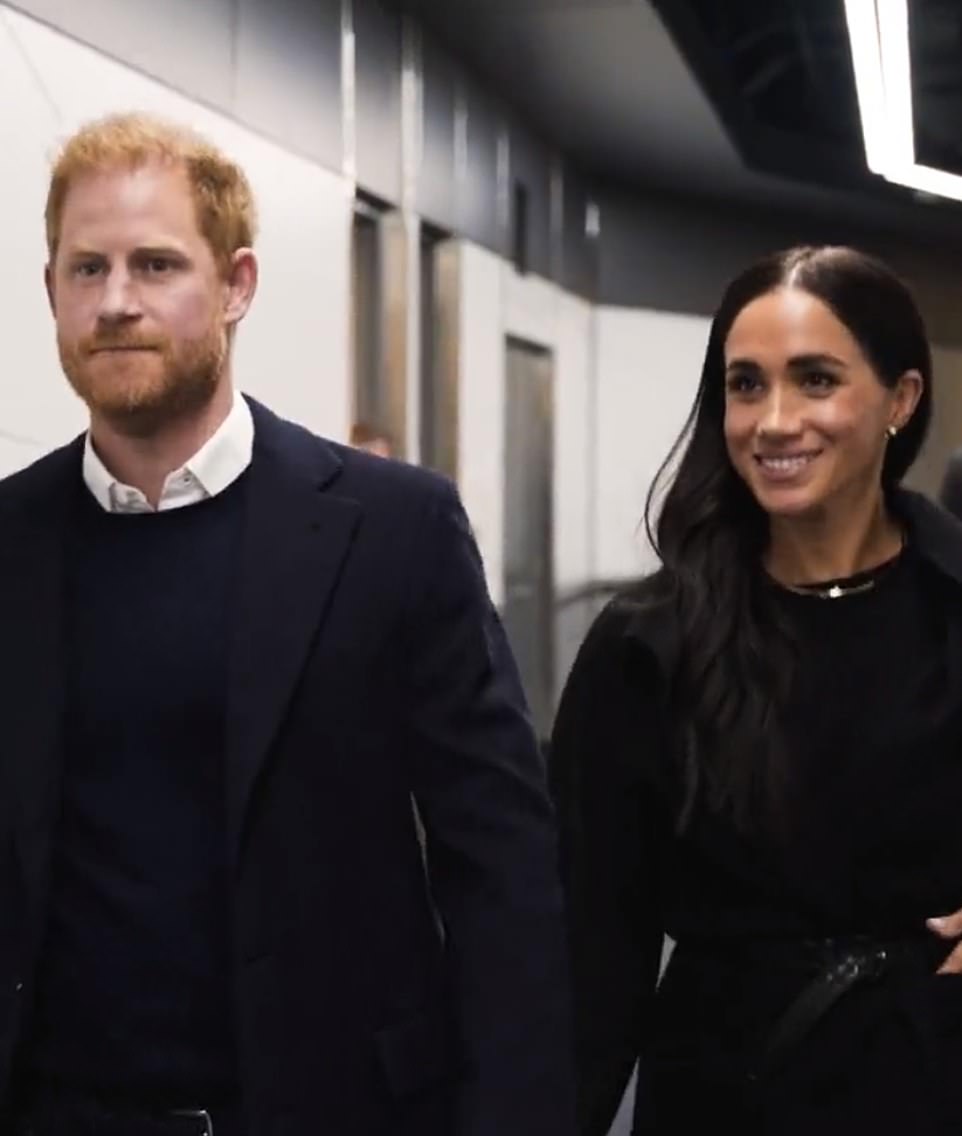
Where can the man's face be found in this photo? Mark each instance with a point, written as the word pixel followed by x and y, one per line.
pixel 140 306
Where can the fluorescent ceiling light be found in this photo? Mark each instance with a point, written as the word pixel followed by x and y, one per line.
pixel 863 36
pixel 893 39
pixel 878 32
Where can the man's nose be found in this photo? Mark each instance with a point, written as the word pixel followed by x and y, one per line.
pixel 119 301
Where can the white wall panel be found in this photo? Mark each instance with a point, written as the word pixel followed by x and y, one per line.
pixel 35 401
pixel 648 366
pixel 287 80
pixel 529 307
pixel 496 302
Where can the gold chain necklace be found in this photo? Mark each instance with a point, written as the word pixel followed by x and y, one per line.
pixel 835 591
pixel 856 585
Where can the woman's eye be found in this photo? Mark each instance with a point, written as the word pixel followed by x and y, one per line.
pixel 744 384
pixel 820 381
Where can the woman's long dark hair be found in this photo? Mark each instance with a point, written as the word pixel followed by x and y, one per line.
pixel 735 659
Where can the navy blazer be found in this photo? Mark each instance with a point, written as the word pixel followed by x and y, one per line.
pixel 368 671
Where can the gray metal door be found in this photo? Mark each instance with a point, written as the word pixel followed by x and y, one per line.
pixel 366 317
pixel 528 522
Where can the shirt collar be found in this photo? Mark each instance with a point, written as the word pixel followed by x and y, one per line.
pixel 215 466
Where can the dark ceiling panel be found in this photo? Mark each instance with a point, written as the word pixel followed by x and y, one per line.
pixel 668 253
pixel 436 184
pixel 936 53
pixel 288 74
pixel 749 100
pixel 781 78
pixel 530 174
pixel 477 183
pixel 377 31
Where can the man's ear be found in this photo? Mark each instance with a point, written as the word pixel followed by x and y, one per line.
pixel 241 285
pixel 48 283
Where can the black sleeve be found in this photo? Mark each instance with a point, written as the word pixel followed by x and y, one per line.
pixel 613 830
pixel 491 842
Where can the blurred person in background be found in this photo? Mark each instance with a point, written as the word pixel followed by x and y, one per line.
pixel 759 749
pixel 373 441
pixel 235 657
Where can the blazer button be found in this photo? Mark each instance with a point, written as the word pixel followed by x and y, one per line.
pixel 18 988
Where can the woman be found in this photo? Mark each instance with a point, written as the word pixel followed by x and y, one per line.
pixel 759 749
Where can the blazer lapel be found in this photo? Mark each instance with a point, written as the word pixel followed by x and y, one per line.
pixel 295 541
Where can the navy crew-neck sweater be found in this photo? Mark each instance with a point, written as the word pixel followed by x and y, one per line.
pixel 133 991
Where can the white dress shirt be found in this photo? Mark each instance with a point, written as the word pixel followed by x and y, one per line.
pixel 215 466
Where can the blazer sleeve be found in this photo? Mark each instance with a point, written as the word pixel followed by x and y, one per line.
pixel 479 781
pixel 614 827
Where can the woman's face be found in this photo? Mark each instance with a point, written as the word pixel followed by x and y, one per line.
pixel 806 417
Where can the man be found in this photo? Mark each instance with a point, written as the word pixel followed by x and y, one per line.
pixel 369 438
pixel 235 658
